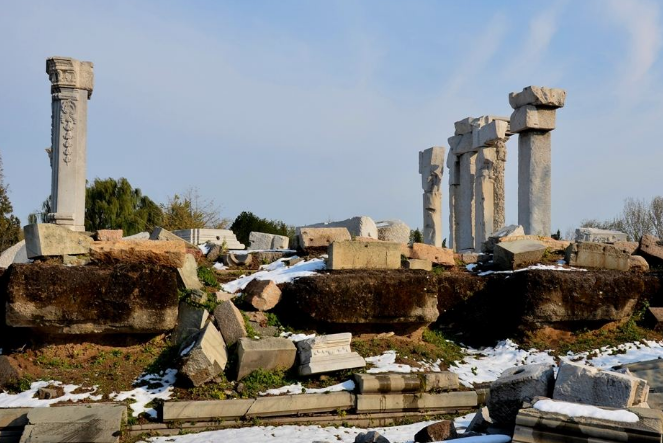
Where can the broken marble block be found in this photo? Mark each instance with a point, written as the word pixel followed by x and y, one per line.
pixel 599 235
pixel 230 322
pixel 267 354
pixel 518 254
pixel 263 295
pixel 327 353
pixel 515 386
pixel 190 320
pixel 591 386
pixel 47 239
pixel 204 358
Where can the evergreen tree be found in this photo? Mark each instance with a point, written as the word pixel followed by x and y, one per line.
pixel 115 204
pixel 10 225
pixel 247 222
pixel 416 236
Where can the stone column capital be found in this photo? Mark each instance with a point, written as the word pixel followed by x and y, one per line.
pixel 67 72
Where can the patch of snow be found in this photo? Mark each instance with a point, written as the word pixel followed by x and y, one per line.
pixel 188 349
pixel 251 251
pixel 204 248
pixel 539 267
pixel 561 262
pixel 387 363
pixel 580 410
pixel 486 364
pixel 142 395
pixel 28 399
pixel 280 275
pixel 220 266
pixel 273 266
pixel 297 434
pixel 296 337
pixel 487 439
pixel 471 267
pixel 461 423
pixel 609 356
pixel 297 388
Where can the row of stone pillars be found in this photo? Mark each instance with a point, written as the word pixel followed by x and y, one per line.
pixel 476 162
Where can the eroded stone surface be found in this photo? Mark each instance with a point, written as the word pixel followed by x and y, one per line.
pixel 263 295
pixel 266 353
pixel 327 353
pixel 597 255
pixel 321 237
pixel 599 235
pixel 364 255
pixel 46 240
pixel 206 358
pixel 230 322
pixel 518 254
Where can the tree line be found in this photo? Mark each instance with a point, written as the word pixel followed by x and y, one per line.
pixel 638 217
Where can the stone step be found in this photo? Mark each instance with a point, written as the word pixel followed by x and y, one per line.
pixel 409 402
pixel 202 410
pixel 386 383
pixel 301 404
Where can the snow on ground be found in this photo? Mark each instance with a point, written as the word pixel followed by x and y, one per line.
pixel 28 399
pixel 537 267
pixel 294 434
pixel 578 410
pixel 153 386
pixel 387 363
pixel 297 388
pixel 609 356
pixel 486 364
pixel 219 266
pixel 278 272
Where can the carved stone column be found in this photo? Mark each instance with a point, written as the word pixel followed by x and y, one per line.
pixel 490 140
pixel 533 118
pixel 453 164
pixel 431 168
pixel 71 87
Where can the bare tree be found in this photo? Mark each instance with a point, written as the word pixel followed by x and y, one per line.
pixel 656 212
pixel 636 218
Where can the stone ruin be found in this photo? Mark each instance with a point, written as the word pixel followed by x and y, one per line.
pixel 476 163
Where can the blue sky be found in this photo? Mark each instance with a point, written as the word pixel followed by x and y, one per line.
pixel 309 111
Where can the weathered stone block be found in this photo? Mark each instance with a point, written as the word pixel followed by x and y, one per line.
pixel 638 263
pixel 517 254
pixel 230 322
pixel 480 422
pixel 370 437
pixel 360 226
pixel 440 256
pixel 164 253
pixel 207 409
pixel 301 404
pixel 417 263
pixel 597 255
pixel 464 126
pixel 90 423
pixel 266 353
pixel 206 358
pixel 393 231
pixel 651 248
pixel 126 298
pixel 517 385
pixel 491 133
pixel 261 241
pixel 46 239
pixel 392 383
pixel 189 273
pixel 591 386
pixel 237 259
pixel 109 235
pixel 442 430
pixel 165 235
pixel 223 237
pixel 654 318
pixel 538 96
pixel 190 321
pixel 627 246
pixel 14 254
pixel 494 238
pixel 10 371
pixel 364 255
pixel 415 402
pixel 362 301
pixel 599 235
pixel 461 144
pixel 263 295
pixel 321 237
pixel 531 118
pixel 140 236
pixel 327 353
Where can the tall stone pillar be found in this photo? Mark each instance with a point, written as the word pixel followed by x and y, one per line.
pixel 461 147
pixel 71 87
pixel 533 118
pixel 431 168
pixel 453 164
pixel 490 140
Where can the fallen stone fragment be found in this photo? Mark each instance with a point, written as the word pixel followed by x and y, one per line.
pixel 263 295
pixel 47 240
pixel 518 385
pixel 627 246
pixel 214 252
pixel 237 260
pixel 262 241
pixel 222 296
pixel 230 322
pixel 417 263
pixel 597 255
pixel 301 404
pixel 206 358
pixel 327 353
pixel 109 235
pixel 14 254
pixel 393 383
pixel 651 248
pixel 518 254
pixel 591 386
pixel 91 423
pixel 189 273
pixel 266 354
pixel 161 253
pixel 198 296
pixel 364 255
pixel 321 237
pixel 10 371
pixel 440 256
pixel 393 231
pixel 596 235
pixel 506 231
pixel 638 263
pixel 416 402
pixel 190 320
pixel 442 430
pixel 481 421
pixel 538 96
pixel 370 437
